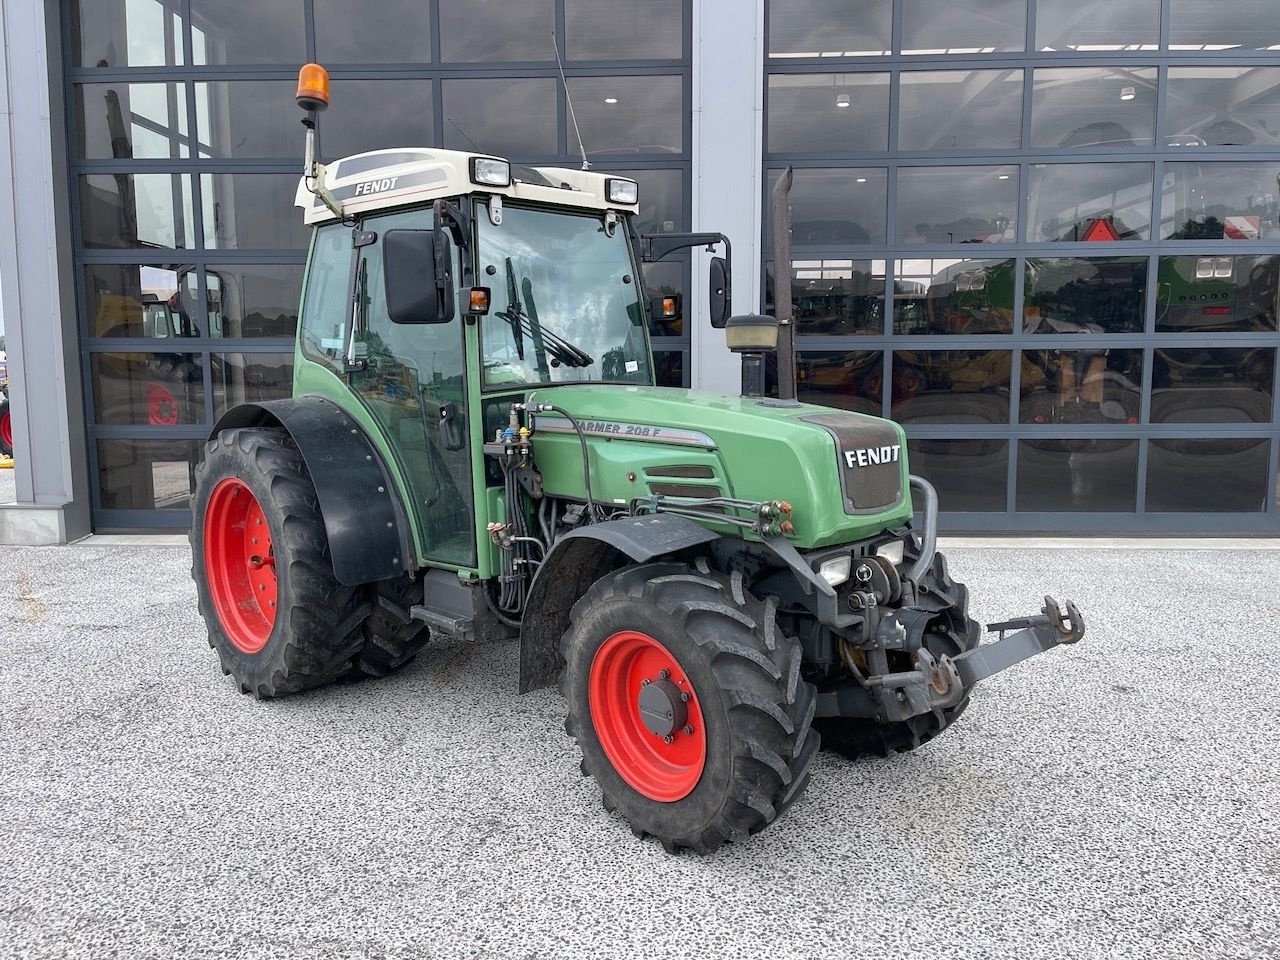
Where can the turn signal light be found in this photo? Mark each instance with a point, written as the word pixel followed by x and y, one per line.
pixel 313 87
pixel 478 301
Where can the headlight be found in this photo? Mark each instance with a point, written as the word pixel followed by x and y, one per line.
pixel 891 552
pixel 490 171
pixel 836 570
pixel 621 191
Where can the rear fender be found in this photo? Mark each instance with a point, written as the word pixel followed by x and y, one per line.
pixel 364 520
pixel 579 559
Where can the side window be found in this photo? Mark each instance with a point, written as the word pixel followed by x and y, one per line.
pixel 326 304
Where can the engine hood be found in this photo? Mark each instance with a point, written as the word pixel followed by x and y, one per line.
pixel 845 474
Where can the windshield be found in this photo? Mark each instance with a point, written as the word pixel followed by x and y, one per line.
pixel 565 303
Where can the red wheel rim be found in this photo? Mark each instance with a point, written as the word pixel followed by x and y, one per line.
pixel 162 408
pixel 240 565
pixel 661 768
pixel 6 430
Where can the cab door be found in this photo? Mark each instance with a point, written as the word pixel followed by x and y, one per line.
pixel 412 379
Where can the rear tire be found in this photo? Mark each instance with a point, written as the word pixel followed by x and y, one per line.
pixel 952 633
pixel 313 628
pixel 745 754
pixel 391 636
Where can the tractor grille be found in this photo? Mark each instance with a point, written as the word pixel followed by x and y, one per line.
pixel 686 471
pixel 869 460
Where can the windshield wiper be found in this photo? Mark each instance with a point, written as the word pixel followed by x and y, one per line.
pixel 526 322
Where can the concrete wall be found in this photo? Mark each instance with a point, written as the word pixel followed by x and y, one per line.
pixel 50 465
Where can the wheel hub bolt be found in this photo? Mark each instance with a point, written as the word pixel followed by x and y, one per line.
pixel 668 738
pixel 684 696
pixel 688 729
pixel 664 674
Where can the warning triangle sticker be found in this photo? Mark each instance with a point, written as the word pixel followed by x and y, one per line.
pixel 1100 229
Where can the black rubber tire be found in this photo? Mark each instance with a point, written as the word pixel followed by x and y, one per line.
pixel 6 449
pixel 952 633
pixel 320 624
pixel 391 637
pixel 756 709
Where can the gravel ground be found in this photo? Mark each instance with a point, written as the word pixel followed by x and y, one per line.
pixel 8 487
pixel 1115 799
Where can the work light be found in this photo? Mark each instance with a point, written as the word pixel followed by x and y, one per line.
pixel 751 333
pixel 490 172
pixel 621 191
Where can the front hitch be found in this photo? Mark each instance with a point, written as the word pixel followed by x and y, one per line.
pixel 941 682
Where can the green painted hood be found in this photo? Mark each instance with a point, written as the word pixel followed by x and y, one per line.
pixel 647 440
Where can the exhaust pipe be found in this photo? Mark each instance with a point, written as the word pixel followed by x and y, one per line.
pixel 786 353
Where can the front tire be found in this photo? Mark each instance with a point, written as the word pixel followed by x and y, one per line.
pixel 687 704
pixel 278 618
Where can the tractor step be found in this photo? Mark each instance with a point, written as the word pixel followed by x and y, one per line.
pixel 443 623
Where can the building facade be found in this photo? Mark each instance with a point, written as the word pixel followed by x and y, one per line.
pixel 1042 234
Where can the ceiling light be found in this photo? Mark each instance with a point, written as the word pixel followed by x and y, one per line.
pixel 862 179
pixel 610 99
pixel 842 101
pixel 1127 93
pixel 1002 176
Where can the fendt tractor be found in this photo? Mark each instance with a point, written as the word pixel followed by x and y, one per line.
pixel 475 448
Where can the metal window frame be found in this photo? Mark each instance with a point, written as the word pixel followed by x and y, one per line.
pixel 1148 340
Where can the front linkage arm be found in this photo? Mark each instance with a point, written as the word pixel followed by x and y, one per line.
pixel 938 683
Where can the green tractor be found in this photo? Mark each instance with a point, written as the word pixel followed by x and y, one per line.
pixel 475 448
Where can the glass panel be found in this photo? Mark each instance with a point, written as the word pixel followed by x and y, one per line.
pixel 565 305
pixel 251 211
pixel 250 378
pixel 157 389
pixel 1220 385
pixel 1223 107
pixel 970 475
pixel 1086 476
pixel 147 474
pixel 508 118
pixel 829 28
pixel 1087 107
pixel 136 210
pixel 1081 386
pixel 385 31
pixel 247 31
pixel 254 300
pixel 951 386
pixel 828 112
pixel 957 204
pixel 1075 295
pixel 141 121
pixel 358 120
pixel 248 118
pixel 623 30
pixel 669 368
pixel 935 27
pixel 946 110
pixel 944 295
pixel 1207 25
pixel 833 297
pixel 661 199
pixel 1207 476
pixel 1219 201
pixel 132 300
pixel 413 384
pixel 124 33
pixel 1212 294
pixel 497 30
pixel 1089 201
pixel 628 115
pixel 833 206
pixel 327 305
pixel 669 276
pixel 1097 25
pixel 852 380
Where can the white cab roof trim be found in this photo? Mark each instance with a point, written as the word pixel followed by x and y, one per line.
pixel 404 176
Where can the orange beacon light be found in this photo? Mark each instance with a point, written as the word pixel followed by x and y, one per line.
pixel 313 87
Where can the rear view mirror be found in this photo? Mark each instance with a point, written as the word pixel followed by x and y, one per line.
pixel 721 300
pixel 416 276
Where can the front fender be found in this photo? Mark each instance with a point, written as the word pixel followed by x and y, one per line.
pixel 579 559
pixel 364 521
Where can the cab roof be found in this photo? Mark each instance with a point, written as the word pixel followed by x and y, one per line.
pixel 402 176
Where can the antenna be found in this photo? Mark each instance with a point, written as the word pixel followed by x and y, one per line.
pixel 464 136
pixel 586 164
